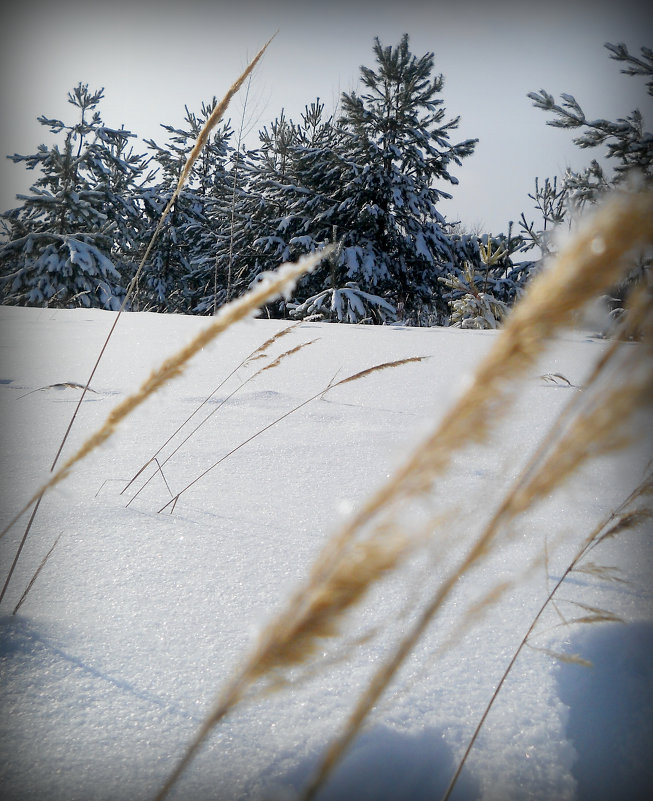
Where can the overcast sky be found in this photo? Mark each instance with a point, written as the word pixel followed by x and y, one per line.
pixel 152 58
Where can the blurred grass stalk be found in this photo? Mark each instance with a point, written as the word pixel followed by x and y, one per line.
pixel 376 541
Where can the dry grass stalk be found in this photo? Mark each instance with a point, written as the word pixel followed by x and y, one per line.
pixel 215 117
pixel 261 351
pixel 588 265
pixel 601 413
pixel 202 138
pixel 294 639
pixel 638 308
pixel 606 528
pixel 386 365
pixel 36 574
pixel 552 474
pixel 272 285
pixel 258 353
pixel 239 388
pixel 21 544
pixel 212 121
pixel 578 274
pixel 531 486
pixel 294 636
pixel 376 368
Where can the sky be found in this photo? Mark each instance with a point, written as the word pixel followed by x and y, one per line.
pixel 153 58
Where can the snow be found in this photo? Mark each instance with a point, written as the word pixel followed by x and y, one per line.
pixel 138 618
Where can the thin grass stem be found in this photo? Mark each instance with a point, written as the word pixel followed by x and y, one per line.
pixel 217 409
pixel 256 353
pixel 273 285
pixel 37 503
pixel 185 440
pixel 36 574
pixel 173 501
pixel 590 542
pixel 211 122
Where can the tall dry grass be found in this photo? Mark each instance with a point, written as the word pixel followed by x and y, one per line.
pixel 332 385
pixel 271 286
pixel 258 353
pixel 624 517
pixel 202 138
pixel 376 540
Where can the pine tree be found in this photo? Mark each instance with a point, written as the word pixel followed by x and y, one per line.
pixel 629 148
pixel 181 263
pixel 401 146
pixel 232 258
pixel 489 262
pixel 474 298
pixel 73 241
pixel 368 182
pixel 552 202
pixel 627 143
pixel 237 258
pixel 252 210
pixel 294 183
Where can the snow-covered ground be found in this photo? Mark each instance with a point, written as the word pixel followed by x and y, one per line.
pixel 138 617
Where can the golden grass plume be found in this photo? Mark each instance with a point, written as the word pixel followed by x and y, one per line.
pixel 202 138
pixel 212 121
pixel 272 285
pixel 592 261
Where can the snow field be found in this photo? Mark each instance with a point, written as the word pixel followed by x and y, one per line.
pixel 138 618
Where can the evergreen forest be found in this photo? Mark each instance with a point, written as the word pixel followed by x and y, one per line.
pixel 369 181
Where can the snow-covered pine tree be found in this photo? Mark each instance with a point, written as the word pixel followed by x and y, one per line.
pixel 180 268
pixel 629 149
pixel 275 176
pixel 234 264
pixel 368 181
pixel 253 208
pixel 73 240
pixel 399 148
pixel 626 140
pixel 237 260
pixel 296 181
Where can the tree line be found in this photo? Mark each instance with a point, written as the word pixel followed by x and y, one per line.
pixel 369 182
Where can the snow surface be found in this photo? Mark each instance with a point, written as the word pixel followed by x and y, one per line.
pixel 139 618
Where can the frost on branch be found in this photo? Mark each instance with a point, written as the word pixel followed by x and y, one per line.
pixel 62 272
pixel 348 304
